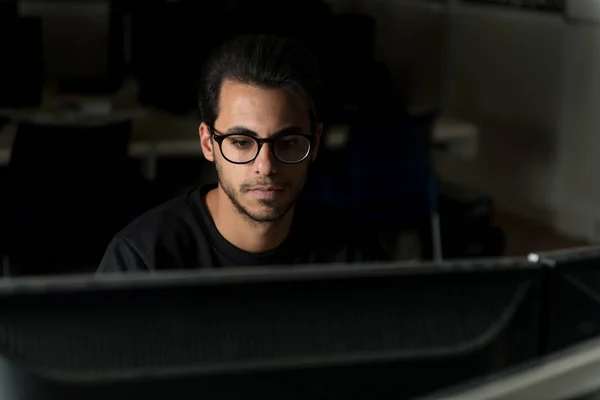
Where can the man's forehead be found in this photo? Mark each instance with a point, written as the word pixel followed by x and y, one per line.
pixel 260 108
pixel 239 93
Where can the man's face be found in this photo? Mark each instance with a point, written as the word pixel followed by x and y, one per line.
pixel 265 189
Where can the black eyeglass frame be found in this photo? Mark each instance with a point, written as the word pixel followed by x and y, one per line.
pixel 260 141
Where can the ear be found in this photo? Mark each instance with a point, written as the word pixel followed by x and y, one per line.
pixel 318 134
pixel 206 142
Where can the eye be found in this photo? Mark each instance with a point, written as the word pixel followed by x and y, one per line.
pixel 241 143
pixel 289 142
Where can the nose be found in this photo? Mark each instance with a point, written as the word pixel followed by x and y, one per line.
pixel 265 163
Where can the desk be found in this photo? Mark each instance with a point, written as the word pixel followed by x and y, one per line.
pixel 157 134
pixel 457 137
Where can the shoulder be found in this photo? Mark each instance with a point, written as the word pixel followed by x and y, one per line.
pixel 160 230
pixel 175 215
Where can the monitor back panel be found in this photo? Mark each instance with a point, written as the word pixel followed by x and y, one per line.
pixel 382 332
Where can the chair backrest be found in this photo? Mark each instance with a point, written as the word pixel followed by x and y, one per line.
pixel 390 159
pixel 385 161
pixel 64 152
pixel 386 170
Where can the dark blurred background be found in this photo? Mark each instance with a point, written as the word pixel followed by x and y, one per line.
pixel 481 115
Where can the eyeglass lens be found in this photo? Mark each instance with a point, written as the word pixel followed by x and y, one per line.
pixel 289 148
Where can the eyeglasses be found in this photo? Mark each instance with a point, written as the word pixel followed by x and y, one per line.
pixel 239 148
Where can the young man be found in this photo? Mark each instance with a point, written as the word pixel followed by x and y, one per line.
pixel 260 130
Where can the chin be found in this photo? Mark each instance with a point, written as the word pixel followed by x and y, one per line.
pixel 267 212
pixel 261 209
pixel 262 212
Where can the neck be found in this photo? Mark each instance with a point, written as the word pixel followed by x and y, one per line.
pixel 240 230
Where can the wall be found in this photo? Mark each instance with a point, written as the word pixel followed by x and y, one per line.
pixel 505 71
pixel 530 80
pixel 579 164
pixel 533 84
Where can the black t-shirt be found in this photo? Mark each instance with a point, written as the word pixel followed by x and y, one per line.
pixel 181 234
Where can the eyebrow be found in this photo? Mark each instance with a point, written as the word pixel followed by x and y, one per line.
pixel 242 130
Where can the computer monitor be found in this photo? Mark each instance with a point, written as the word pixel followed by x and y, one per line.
pixel 83 43
pixel 21 68
pixel 573 296
pixel 567 375
pixel 8 8
pixel 368 331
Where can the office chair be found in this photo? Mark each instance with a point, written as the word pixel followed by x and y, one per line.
pixel 385 173
pixel 66 195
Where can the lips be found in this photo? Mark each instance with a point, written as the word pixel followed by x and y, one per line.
pixel 268 188
pixel 266 192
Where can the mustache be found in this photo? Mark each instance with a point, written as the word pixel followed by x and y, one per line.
pixel 248 186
